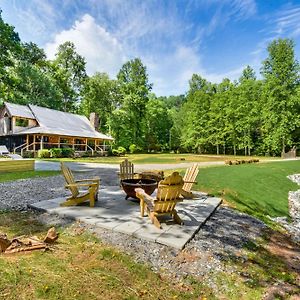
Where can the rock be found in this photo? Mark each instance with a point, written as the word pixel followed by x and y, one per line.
pixel 4 242
pixel 51 236
pixel 294 205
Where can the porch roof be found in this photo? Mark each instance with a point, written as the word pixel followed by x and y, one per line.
pixel 65 132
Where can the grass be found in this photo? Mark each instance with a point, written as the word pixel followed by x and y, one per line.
pixel 10 176
pixel 79 266
pixel 257 189
pixel 161 158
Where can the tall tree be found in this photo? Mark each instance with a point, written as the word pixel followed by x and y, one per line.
pixel 99 95
pixel 10 49
pixel 134 89
pixel 69 73
pixel 195 133
pixel 248 94
pixel 158 125
pixel 218 120
pixel 281 73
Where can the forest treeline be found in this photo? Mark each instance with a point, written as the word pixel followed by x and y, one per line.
pixel 247 116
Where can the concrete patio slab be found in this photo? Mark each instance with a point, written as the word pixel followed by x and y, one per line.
pixel 115 213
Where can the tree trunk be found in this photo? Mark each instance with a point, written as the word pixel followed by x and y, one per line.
pixel 217 149
pixel 234 150
pixel 283 146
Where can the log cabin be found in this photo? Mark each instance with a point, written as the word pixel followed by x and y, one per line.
pixel 31 128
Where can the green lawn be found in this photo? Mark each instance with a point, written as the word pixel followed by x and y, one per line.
pixel 161 158
pixel 257 189
pixel 10 176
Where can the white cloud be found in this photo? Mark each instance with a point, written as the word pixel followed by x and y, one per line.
pixel 102 51
pixel 172 73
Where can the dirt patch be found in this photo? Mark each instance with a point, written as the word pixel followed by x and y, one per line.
pixel 282 246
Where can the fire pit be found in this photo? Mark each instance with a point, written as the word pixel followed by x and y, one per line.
pixel 148 185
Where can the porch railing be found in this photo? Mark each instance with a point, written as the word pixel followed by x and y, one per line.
pixel 35 146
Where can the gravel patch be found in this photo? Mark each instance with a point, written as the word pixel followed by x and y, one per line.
pixel 19 193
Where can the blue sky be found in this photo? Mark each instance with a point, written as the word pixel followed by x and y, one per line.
pixel 174 38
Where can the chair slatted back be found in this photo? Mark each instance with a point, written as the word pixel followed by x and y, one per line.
pixel 69 179
pixel 126 170
pixel 190 175
pixel 166 197
pixel 168 193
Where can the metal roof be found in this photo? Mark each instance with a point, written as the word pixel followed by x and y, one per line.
pixel 17 110
pixel 56 122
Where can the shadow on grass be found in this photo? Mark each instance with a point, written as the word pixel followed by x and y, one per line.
pixel 254 208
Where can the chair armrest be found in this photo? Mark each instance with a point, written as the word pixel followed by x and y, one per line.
pixel 144 198
pixel 96 179
pixel 81 184
pixel 140 193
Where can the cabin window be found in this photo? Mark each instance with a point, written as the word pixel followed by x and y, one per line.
pixel 22 122
pixel 64 141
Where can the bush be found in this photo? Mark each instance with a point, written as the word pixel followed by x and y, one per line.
pixel 119 151
pixel 133 148
pixel 43 153
pixel 56 152
pixel 28 154
pixel 67 152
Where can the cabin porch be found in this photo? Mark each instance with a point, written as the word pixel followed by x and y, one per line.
pixel 35 142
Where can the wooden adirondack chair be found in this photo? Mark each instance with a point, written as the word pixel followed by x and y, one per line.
pixel 126 170
pixel 189 179
pixel 73 185
pixel 168 194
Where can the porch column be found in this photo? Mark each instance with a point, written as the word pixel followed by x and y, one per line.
pixel 86 142
pixel 95 145
pixel 27 141
pixel 41 143
pixel 34 142
pixel 73 142
pixel 58 144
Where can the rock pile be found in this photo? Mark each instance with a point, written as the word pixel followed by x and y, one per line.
pixel 294 209
pixel 294 199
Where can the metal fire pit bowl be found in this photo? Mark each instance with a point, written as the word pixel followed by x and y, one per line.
pixel 128 185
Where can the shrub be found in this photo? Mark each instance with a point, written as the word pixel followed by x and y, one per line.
pixel 119 151
pixel 56 152
pixel 43 153
pixel 133 148
pixel 28 154
pixel 67 152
